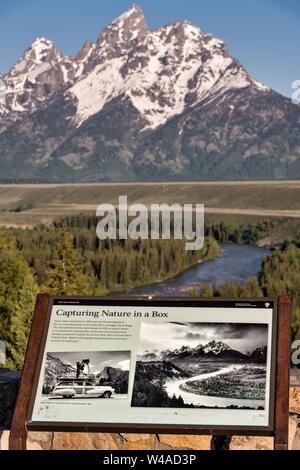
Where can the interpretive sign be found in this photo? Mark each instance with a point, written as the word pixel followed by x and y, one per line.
pixel 157 365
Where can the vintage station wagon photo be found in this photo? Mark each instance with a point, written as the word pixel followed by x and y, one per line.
pixel 88 375
pixel 81 388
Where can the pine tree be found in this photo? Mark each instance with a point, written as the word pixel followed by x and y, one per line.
pixel 251 288
pixel 207 290
pixel 7 242
pixel 18 290
pixel 66 276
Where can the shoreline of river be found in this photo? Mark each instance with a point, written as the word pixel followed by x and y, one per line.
pixel 235 262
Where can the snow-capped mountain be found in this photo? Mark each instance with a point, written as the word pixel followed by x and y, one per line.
pixel 160 71
pixel 213 350
pixel 216 348
pixel 138 104
pixel 183 352
pixel 41 72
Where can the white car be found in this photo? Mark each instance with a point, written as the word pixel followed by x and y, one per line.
pixel 81 388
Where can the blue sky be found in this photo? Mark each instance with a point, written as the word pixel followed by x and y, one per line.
pixel 263 34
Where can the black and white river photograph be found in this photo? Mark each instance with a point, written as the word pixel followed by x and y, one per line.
pixel 201 365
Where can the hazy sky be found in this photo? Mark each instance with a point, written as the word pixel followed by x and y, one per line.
pixel 98 360
pixel 263 34
pixel 162 336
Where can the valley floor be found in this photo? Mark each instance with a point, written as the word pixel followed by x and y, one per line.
pixel 232 202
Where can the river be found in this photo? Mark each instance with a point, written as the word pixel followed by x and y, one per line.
pixel 236 262
pixel 173 388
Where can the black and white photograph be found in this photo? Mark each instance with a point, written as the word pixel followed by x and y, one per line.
pixel 86 375
pixel 202 365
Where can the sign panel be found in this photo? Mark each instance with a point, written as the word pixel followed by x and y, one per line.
pixel 132 364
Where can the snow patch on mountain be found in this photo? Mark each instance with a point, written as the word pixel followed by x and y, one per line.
pixel 260 86
pixel 99 87
pixel 32 76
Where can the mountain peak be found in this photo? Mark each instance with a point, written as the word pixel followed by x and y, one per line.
pixel 185 27
pixel 128 27
pixel 134 10
pixel 40 52
pixel 40 49
pixel 38 74
pixel 40 56
pixel 42 40
pixel 133 19
pixel 216 347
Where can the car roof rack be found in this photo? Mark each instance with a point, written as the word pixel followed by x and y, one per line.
pixel 87 377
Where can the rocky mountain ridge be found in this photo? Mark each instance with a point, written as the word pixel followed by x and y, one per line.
pixel 168 104
pixel 213 350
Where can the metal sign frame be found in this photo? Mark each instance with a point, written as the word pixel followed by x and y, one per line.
pixel 280 367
